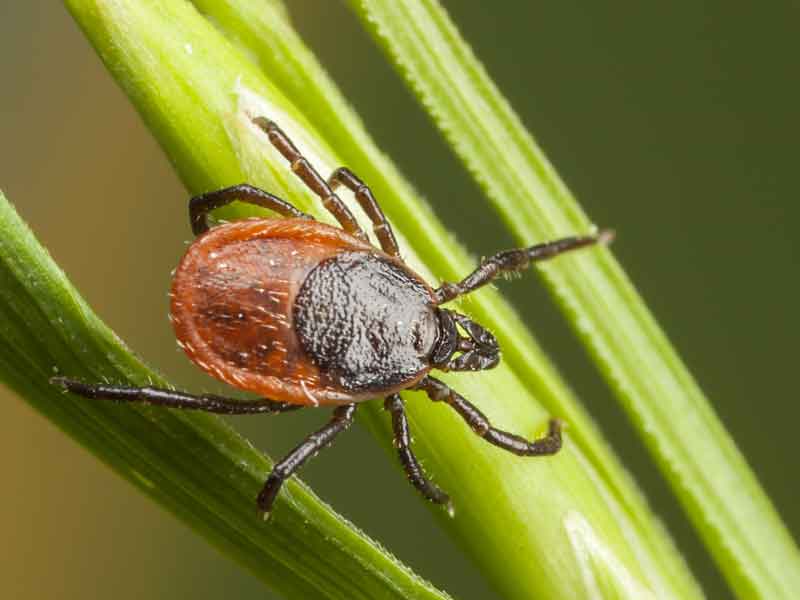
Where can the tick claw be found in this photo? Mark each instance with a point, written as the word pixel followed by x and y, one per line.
pixel 606 236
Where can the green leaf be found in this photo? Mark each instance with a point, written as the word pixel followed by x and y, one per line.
pixel 697 456
pixel 197 93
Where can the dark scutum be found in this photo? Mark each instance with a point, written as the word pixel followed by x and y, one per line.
pixel 365 321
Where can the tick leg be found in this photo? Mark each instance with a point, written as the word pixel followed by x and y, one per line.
pixel 342 419
pixel 511 261
pixel 439 391
pixel 313 180
pixel 201 205
pixel 402 441
pixel 383 231
pixel 172 399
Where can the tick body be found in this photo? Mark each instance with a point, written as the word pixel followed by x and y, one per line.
pixel 305 314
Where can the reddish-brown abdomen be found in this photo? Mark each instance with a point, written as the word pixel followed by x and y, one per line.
pixel 232 300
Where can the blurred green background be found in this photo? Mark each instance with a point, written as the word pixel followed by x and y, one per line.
pixel 675 123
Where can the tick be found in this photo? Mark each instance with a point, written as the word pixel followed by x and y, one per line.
pixel 306 314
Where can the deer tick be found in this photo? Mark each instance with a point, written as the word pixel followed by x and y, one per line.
pixel 306 314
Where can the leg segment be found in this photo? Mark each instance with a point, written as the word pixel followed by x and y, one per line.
pixel 303 169
pixel 510 261
pixel 172 399
pixel 402 441
pixel 550 444
pixel 342 419
pixel 383 231
pixel 200 206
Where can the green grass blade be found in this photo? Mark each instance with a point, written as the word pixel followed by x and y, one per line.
pixel 708 474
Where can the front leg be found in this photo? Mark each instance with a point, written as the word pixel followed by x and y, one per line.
pixel 438 391
pixel 519 259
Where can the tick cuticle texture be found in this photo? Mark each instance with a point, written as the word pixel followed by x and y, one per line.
pixel 366 321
